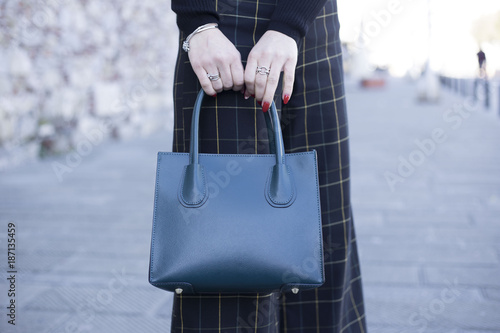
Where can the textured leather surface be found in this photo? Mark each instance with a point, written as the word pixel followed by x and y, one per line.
pixel 236 223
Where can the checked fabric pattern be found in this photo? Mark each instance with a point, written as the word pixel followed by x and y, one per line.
pixel 315 118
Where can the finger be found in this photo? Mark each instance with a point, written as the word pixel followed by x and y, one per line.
pixel 216 84
pixel 250 76
pixel 205 82
pixel 288 80
pixel 271 86
pixel 238 74
pixel 226 77
pixel 261 81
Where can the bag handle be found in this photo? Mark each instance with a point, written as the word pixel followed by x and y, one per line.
pixel 280 191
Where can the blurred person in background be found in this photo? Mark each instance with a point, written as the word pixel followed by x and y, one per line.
pixel 481 58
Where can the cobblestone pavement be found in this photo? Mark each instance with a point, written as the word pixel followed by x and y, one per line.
pixel 426 197
pixel 426 200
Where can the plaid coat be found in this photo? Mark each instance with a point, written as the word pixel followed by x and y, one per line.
pixel 315 118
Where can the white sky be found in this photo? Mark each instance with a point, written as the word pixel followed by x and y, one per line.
pixel 401 39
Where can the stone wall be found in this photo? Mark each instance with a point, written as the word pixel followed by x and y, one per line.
pixel 76 68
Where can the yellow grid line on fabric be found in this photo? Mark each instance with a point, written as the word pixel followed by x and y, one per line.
pixel 217 125
pixel 305 95
pixel 357 313
pixel 335 183
pixel 220 314
pixel 338 134
pixel 335 223
pixel 301 148
pixel 182 318
pixel 256 312
pixel 319 60
pixel 320 103
pixel 256 18
pixel 246 17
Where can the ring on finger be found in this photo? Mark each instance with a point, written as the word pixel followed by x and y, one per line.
pixel 213 77
pixel 262 70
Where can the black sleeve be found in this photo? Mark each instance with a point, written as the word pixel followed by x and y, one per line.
pixel 193 13
pixel 293 17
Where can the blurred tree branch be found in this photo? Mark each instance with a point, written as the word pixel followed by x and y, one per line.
pixel 487 29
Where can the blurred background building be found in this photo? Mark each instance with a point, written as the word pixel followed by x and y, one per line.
pixel 72 69
pixel 402 35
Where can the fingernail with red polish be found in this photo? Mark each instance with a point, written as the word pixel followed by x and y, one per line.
pixel 253 96
pixel 214 95
pixel 265 106
pixel 260 103
pixel 286 99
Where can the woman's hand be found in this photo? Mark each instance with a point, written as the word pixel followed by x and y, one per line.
pixel 277 52
pixel 212 53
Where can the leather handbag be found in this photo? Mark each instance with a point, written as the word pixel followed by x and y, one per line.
pixel 236 223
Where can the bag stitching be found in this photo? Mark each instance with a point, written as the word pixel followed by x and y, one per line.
pixel 182 187
pixel 268 185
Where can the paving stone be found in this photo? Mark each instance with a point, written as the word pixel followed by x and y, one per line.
pixel 102 265
pixel 419 329
pixel 449 221
pixel 426 218
pixel 425 308
pixel 390 274
pixel 112 297
pixel 465 275
pixel 477 331
pixel 467 236
pixel 34 321
pixel 489 218
pixel 435 253
pixel 492 293
pixel 35 262
pixel 164 309
pixel 434 240
pixel 57 322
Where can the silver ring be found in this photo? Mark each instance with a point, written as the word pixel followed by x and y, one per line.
pixel 263 70
pixel 213 77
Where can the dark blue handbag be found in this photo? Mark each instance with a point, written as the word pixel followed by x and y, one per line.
pixel 236 223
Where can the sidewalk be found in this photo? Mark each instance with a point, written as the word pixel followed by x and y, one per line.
pixel 429 249
pixel 427 212
pixel 83 243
